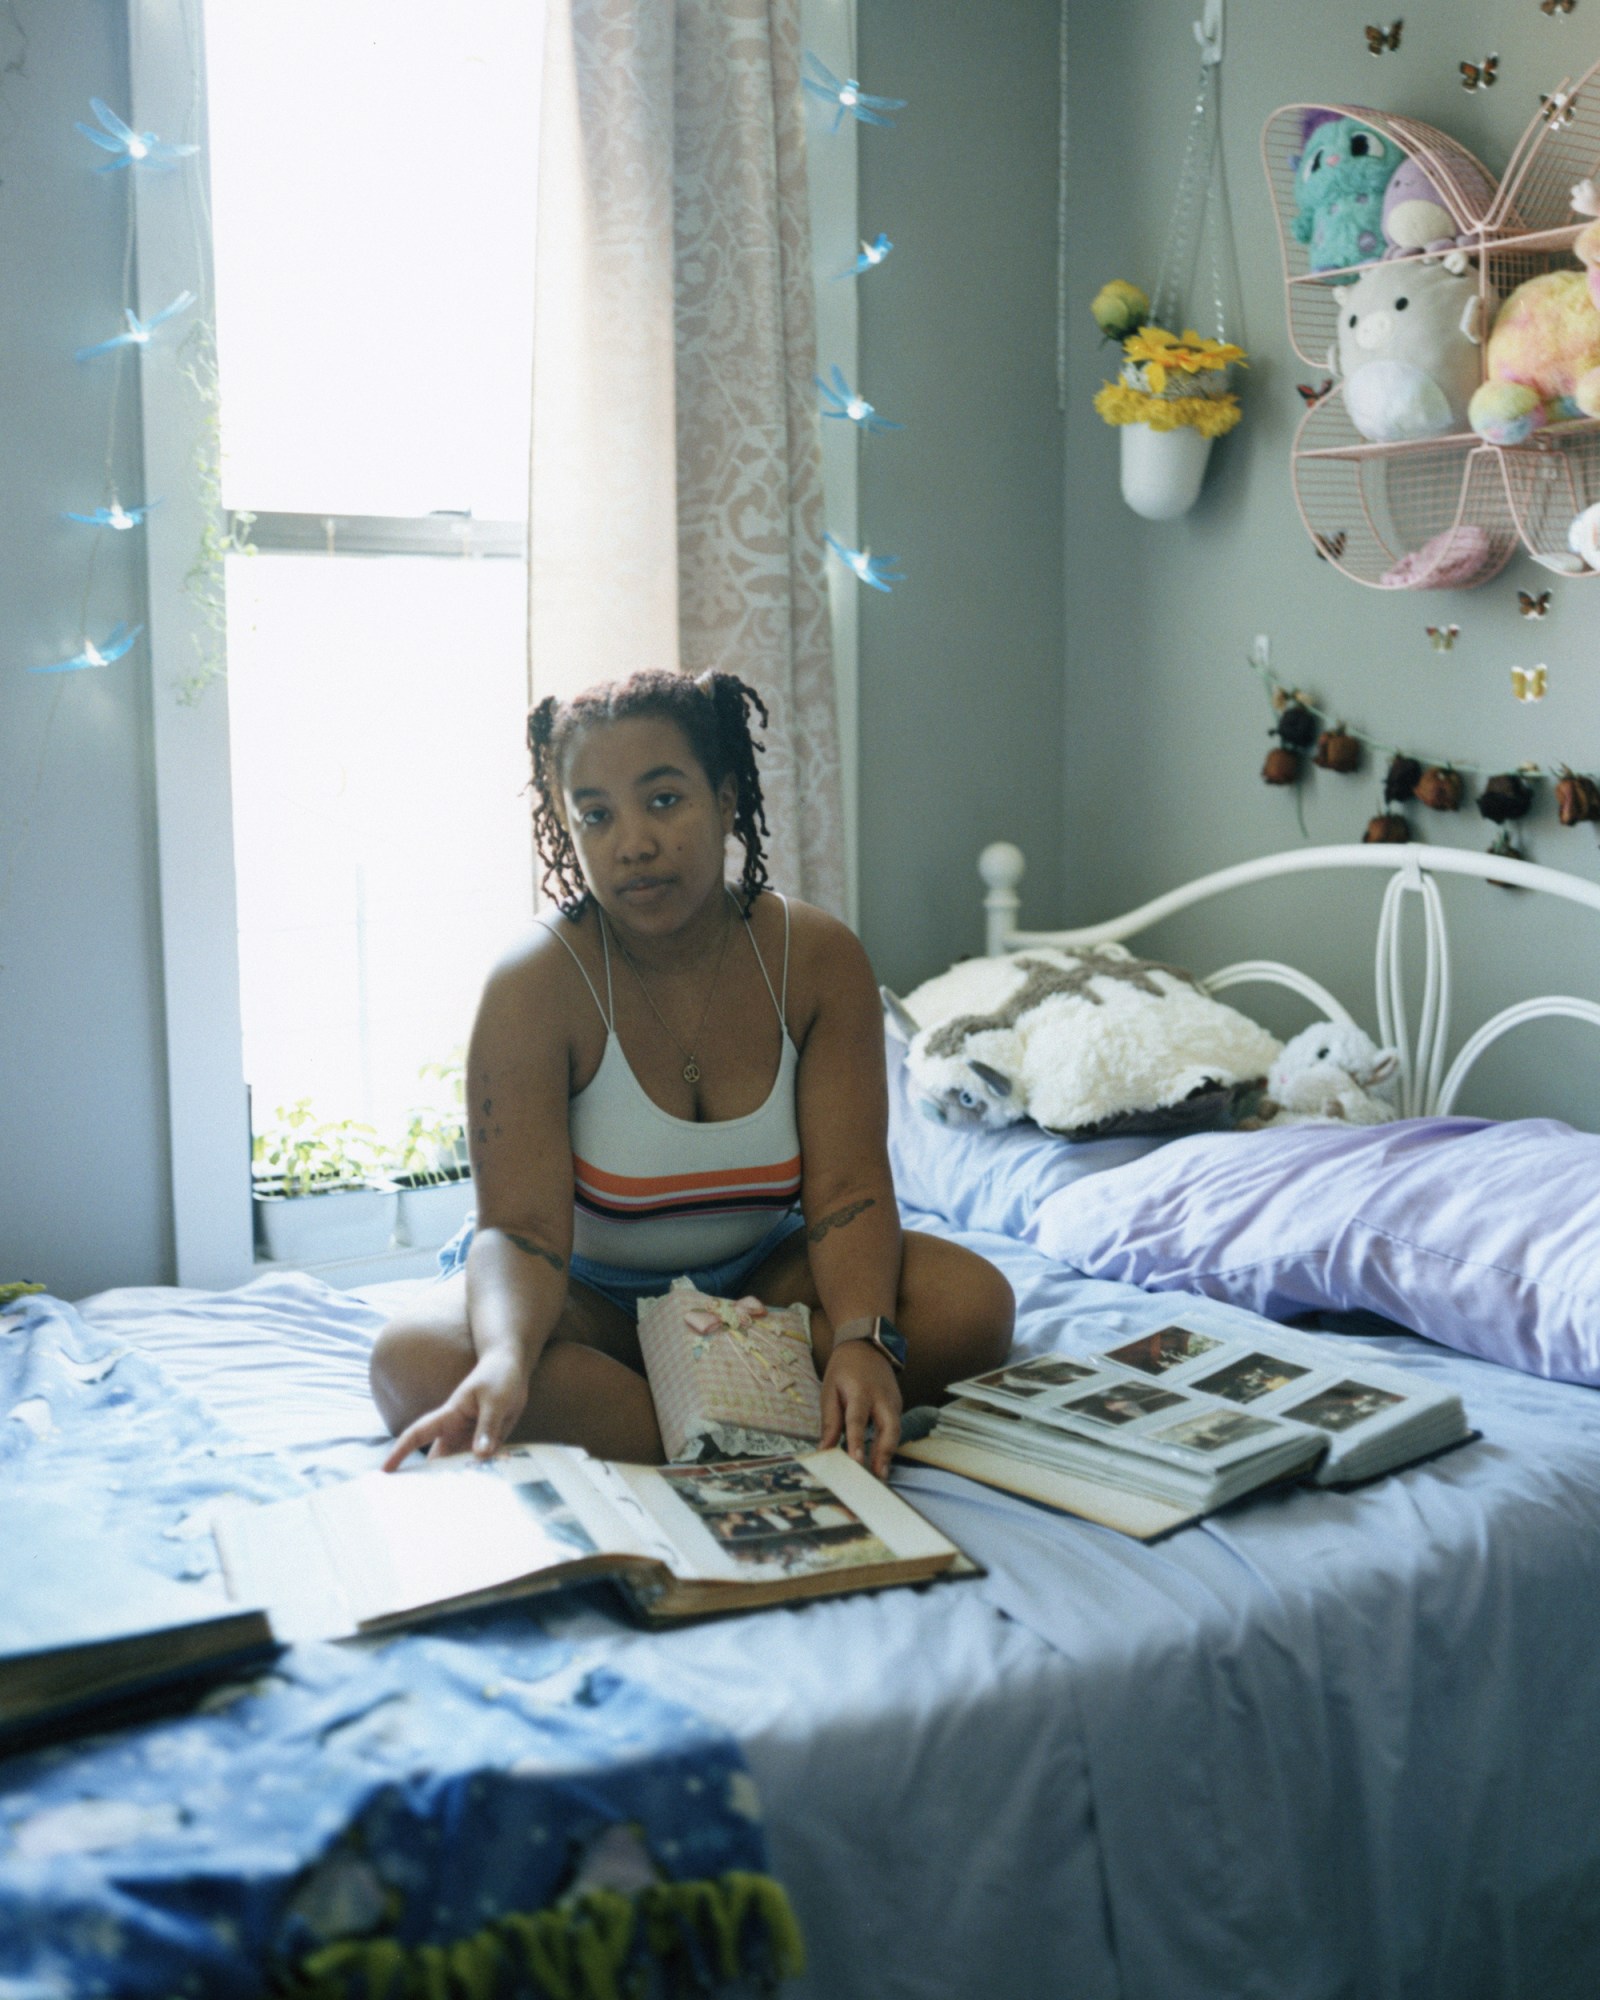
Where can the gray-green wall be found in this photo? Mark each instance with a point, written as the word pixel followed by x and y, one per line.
pixel 961 692
pixel 1164 722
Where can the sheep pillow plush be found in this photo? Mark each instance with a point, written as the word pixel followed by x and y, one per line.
pixel 1086 1042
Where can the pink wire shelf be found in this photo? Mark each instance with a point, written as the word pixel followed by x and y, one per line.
pixel 1445 512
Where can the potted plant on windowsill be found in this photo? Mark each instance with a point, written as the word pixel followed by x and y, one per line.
pixel 431 1167
pixel 319 1189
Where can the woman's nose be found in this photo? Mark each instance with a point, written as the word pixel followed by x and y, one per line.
pixel 636 836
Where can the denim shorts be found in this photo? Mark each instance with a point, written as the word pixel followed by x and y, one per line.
pixel 625 1287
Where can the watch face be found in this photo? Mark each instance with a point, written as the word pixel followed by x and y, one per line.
pixel 892 1341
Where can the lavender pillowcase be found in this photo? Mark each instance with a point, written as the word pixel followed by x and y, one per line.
pixel 1484 1237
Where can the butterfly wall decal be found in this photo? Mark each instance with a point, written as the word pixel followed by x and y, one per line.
pixel 1479 76
pixel 1443 636
pixel 1532 606
pixel 1311 395
pixel 1379 39
pixel 1330 547
pixel 1529 683
pixel 1557 110
pixel 1553 7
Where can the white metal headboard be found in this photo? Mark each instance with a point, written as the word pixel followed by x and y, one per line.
pixel 1426 1086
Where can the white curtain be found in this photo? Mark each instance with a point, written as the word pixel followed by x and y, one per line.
pixel 676 484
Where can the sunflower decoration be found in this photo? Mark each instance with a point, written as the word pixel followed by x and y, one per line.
pixel 1167 380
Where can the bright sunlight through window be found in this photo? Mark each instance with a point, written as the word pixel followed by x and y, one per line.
pixel 373 200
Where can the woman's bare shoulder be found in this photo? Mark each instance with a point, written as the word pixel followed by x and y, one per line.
pixel 540 977
pixel 827 961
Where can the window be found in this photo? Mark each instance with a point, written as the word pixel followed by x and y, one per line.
pixel 373 201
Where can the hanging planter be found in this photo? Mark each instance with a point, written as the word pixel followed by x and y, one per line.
pixel 1162 470
pixel 1172 398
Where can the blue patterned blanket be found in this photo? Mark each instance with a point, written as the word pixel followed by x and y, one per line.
pixel 468 1810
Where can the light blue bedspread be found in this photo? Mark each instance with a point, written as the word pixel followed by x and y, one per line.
pixel 1327 1746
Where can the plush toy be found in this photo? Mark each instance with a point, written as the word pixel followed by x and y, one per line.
pixel 1583 537
pixel 1543 357
pixel 1408 349
pixel 1340 176
pixel 1084 1042
pixel 1415 214
pixel 1330 1071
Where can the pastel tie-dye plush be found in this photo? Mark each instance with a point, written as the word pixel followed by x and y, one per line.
pixel 1340 178
pixel 1543 359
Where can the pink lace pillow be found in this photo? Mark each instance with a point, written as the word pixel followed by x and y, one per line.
pixel 731 1378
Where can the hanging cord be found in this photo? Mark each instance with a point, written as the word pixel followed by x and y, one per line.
pixel 1200 208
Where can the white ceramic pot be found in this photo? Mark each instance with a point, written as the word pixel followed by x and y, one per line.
pixel 1162 470
pixel 305 1229
pixel 430 1216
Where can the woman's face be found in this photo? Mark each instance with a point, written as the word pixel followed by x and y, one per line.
pixel 648 829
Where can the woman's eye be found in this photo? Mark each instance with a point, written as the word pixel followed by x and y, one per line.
pixel 665 799
pixel 591 815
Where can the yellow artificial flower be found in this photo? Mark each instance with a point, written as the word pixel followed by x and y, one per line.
pixel 1118 308
pixel 1211 416
pixel 1187 354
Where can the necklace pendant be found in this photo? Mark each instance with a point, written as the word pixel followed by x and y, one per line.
pixel 691 1071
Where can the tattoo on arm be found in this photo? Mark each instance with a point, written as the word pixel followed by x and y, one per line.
pixel 535 1250
pixel 838 1219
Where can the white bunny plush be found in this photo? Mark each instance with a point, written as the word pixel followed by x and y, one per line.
pixel 1331 1071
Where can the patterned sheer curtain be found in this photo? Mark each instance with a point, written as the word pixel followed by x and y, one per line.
pixel 676 484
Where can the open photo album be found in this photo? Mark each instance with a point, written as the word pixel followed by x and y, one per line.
pixel 386 1549
pixel 1162 1429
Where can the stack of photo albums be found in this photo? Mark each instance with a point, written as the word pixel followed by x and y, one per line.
pixel 1155 1432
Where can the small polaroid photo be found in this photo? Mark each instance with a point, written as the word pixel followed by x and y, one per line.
pixel 1032 1378
pixel 1344 1406
pixel 1253 1375
pixel 1123 1403
pixel 1170 1347
pixel 1214 1430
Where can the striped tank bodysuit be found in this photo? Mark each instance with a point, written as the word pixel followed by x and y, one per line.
pixel 658 1193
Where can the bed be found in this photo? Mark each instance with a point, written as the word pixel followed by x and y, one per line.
pixel 1321 1745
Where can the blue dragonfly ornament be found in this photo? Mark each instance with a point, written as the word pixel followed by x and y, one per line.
pixel 139 330
pixel 115 516
pixel 848 96
pixel 843 401
pixel 132 149
pixel 871 254
pixel 878 572
pixel 119 642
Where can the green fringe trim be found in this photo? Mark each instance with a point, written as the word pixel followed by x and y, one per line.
pixel 600 1947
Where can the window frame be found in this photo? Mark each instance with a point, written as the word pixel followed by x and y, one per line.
pixel 207 1097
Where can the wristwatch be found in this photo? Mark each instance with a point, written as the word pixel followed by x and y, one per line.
pixel 881 1333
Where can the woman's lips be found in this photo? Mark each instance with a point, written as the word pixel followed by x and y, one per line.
pixel 645 889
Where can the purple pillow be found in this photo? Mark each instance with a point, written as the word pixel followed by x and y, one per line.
pixel 1485 1237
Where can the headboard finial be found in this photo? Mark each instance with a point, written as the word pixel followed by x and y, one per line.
pixel 1001 865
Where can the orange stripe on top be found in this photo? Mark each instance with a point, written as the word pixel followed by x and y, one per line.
pixel 731 1180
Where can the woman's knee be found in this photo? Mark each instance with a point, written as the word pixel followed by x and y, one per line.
pixel 414 1366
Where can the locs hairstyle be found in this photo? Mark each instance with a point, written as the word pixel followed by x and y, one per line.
pixel 714 713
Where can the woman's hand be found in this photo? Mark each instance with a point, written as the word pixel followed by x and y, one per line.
pixel 859 1387
pixel 480 1415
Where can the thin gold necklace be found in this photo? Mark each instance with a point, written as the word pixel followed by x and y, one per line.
pixel 691 1068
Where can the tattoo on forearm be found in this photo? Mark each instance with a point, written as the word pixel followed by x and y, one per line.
pixel 838 1219
pixel 535 1250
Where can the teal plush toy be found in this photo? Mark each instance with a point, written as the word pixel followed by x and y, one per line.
pixel 1340 176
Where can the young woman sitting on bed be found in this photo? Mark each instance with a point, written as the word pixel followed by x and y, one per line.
pixel 656 1078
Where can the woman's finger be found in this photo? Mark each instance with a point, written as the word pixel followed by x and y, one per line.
pixel 886 1421
pixel 832 1417
pixel 857 1408
pixel 414 1437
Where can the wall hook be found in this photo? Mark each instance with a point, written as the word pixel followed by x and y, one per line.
pixel 1208 33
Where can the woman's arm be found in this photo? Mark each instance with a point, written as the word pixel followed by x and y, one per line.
pixel 852 1223
pixel 518 1069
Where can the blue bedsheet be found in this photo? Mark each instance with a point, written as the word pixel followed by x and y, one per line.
pixel 425 1786
pixel 1327 1746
